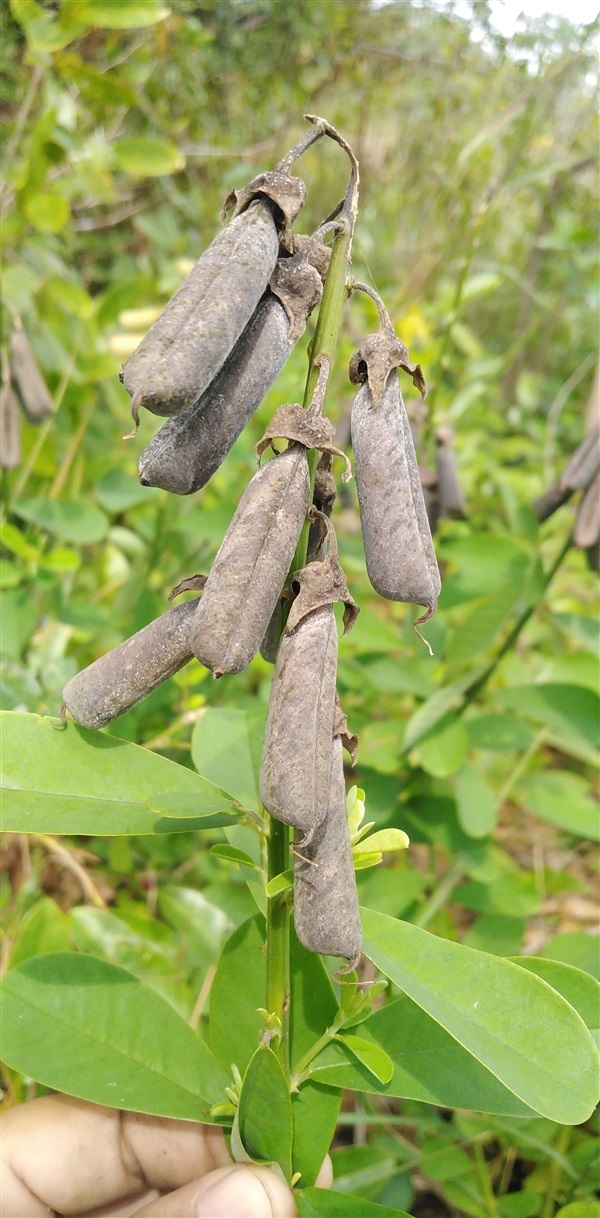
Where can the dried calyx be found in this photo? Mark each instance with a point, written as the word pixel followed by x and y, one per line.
pixel 308 427
pixel 321 583
pixel 380 353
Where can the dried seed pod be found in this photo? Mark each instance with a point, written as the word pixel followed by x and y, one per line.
pixel 586 530
pixel 399 552
pixel 189 448
pixel 118 680
pixel 10 428
pixel 270 644
pixel 452 500
pixel 579 473
pixel 296 759
pixel 249 571
pixel 321 583
pixel 188 344
pixel 326 913
pixel 190 341
pixel 28 380
pixel 324 495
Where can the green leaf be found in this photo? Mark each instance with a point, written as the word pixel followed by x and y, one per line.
pixel 315 1111
pixel 204 809
pixel 373 1057
pixel 45 928
pixel 569 709
pixel 80 1025
pixel 82 782
pixel 233 855
pixel 385 840
pixel 237 991
pixel 122 14
pixel 313 1004
pixel 76 522
pixel 563 799
pixel 574 947
pixel 482 625
pixel 584 629
pixel 47 211
pixel 513 1026
pixel 118 491
pixel 445 747
pixel 429 1065
pixel 264 1117
pixel 321 1203
pixel 227 749
pixel 475 801
pixel 579 989
pixel 280 883
pixel 148 158
pixel 498 732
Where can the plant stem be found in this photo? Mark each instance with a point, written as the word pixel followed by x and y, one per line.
pixel 473 690
pixel 324 343
pixel 278 940
pixel 440 895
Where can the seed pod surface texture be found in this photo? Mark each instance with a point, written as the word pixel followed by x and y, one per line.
pixel 118 680
pixel 190 447
pixel 296 760
pixel 10 429
pixel 28 380
pixel 190 341
pixel 326 913
pixel 399 551
pixel 249 571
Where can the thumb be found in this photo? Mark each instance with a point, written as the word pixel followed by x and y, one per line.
pixel 239 1191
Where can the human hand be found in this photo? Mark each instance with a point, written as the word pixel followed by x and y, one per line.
pixel 69 1157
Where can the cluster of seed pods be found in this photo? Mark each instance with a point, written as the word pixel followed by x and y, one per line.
pixel 22 385
pixel 206 364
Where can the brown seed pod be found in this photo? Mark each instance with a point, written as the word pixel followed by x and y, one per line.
pixel 28 380
pixel 10 428
pixel 326 913
pixel 324 495
pixel 190 447
pixel 399 552
pixel 578 475
pixel 270 644
pixel 118 680
pixel 249 571
pixel 190 341
pixel 586 530
pixel 296 759
pixel 452 500
pixel 188 344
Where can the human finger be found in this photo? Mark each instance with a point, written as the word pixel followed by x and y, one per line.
pixel 237 1191
pixel 72 1157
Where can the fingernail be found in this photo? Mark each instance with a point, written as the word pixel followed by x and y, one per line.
pixel 239 1194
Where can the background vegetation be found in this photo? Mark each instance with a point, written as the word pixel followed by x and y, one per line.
pixel 125 126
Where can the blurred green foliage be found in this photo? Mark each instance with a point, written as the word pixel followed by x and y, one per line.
pixel 125 127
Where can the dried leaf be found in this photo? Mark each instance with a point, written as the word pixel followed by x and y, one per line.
pixel 340 728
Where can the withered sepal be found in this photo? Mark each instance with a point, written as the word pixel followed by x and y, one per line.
pixel 321 583
pixel 287 193
pixel 376 357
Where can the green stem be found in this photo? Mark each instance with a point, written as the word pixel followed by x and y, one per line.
pixel 278 940
pixel 477 685
pixel 473 690
pixel 323 343
pixel 440 895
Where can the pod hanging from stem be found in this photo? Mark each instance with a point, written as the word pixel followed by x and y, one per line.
pixel 399 553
